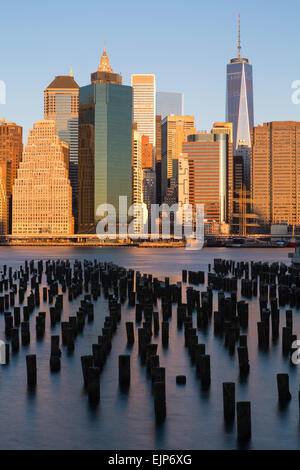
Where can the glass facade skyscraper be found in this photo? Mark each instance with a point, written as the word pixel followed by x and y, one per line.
pixel 168 103
pixel 105 147
pixel 239 98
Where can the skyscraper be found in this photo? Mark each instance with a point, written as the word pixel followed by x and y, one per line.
pixel 174 132
pixel 144 105
pixel 169 103
pixel 105 144
pixel 158 158
pixel 147 152
pixel 137 174
pixel 11 148
pixel 42 193
pixel 61 99
pixel 210 157
pixel 275 172
pixel 239 97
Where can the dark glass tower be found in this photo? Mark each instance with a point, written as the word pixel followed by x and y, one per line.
pixel 239 98
pixel 105 144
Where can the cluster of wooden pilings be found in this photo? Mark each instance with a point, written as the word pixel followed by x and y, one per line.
pixel 153 301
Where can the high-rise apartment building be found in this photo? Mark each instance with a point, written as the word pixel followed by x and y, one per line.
pixel 11 148
pixel 169 103
pixel 239 98
pixel 210 158
pixel 174 132
pixel 42 193
pixel 4 199
pixel 144 104
pixel 105 144
pixel 61 101
pixel 275 172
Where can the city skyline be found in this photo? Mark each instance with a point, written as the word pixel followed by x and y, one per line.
pixel 272 93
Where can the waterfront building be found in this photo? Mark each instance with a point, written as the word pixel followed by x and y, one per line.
pixel 174 132
pixel 210 158
pixel 61 101
pixel 42 193
pixel 169 103
pixel 105 144
pixel 239 97
pixel 11 148
pixel 275 172
pixel 144 104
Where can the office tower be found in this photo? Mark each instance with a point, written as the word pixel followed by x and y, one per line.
pixel 5 170
pixel 244 151
pixel 239 97
pixel 61 99
pixel 169 103
pixel 149 188
pixel 147 153
pixel 137 173
pixel 275 172
pixel 105 144
pixel 174 131
pixel 42 193
pixel 144 105
pixel 158 158
pixel 11 148
pixel 210 157
pixel 178 192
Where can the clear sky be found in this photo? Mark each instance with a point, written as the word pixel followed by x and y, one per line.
pixel 187 44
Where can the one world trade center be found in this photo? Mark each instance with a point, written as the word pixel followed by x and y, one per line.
pixel 239 98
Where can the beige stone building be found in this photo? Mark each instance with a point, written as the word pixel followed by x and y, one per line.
pixel 42 193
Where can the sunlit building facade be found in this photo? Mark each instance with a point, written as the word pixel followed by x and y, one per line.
pixel 275 172
pixel 11 148
pixel 174 132
pixel 105 144
pixel 144 104
pixel 61 100
pixel 42 193
pixel 210 159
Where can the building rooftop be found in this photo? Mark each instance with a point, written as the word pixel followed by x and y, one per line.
pixel 63 81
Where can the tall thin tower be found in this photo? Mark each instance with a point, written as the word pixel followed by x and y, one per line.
pixel 239 97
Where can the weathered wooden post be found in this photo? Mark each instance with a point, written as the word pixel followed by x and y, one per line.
pixel 159 389
pixel 229 400
pixel 93 387
pixel 130 333
pixel 283 388
pixel 243 409
pixel 124 370
pixel 31 370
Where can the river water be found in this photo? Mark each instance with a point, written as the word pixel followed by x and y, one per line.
pixel 57 415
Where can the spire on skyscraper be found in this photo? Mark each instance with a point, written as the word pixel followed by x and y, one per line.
pixel 239 39
pixel 104 62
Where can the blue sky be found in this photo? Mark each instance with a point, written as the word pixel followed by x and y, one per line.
pixel 185 43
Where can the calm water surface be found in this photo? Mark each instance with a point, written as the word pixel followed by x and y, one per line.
pixel 58 416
